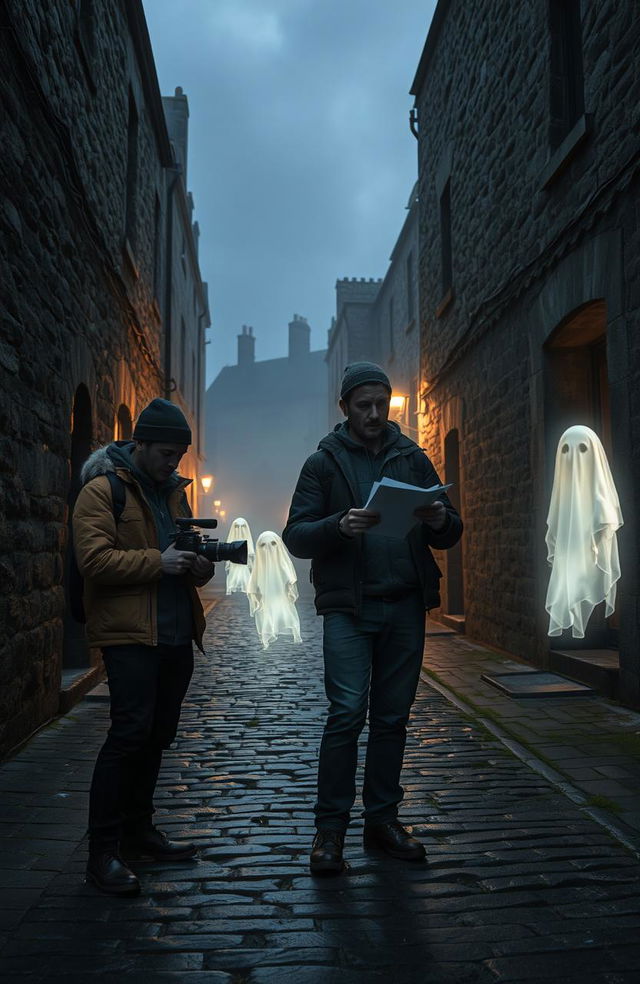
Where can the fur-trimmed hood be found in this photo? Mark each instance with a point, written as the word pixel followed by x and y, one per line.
pixel 98 463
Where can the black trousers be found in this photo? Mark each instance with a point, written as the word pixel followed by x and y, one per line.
pixel 147 685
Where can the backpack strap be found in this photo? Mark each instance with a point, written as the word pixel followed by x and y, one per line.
pixel 118 494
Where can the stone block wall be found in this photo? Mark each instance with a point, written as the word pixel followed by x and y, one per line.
pixel 74 309
pixel 396 320
pixel 537 231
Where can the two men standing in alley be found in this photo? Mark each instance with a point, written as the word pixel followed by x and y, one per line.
pixel 372 592
pixel 144 613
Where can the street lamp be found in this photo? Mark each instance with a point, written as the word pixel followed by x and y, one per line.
pixel 399 412
pixel 217 503
pixel 207 482
pixel 398 406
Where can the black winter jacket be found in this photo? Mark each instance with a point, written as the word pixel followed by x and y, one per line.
pixel 325 492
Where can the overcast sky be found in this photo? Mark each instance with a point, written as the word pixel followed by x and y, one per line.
pixel 301 160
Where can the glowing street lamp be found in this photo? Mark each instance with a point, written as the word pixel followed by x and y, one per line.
pixel 223 513
pixel 207 482
pixel 398 406
pixel 217 503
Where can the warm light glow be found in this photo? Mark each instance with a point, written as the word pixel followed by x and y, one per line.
pixel 207 481
pixel 397 402
pixel 223 513
pixel 217 503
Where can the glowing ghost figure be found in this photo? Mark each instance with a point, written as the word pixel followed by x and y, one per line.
pixel 238 574
pixel 582 548
pixel 273 590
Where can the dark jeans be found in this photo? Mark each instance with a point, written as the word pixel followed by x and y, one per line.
pixel 374 659
pixel 147 686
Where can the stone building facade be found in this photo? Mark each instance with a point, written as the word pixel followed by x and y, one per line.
pixel 263 419
pixel 529 155
pixel 378 321
pixel 185 301
pixel 83 264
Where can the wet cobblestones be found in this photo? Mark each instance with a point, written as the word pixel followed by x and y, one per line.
pixel 519 886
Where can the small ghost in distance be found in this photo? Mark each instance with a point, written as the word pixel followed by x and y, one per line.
pixel 238 574
pixel 582 548
pixel 273 591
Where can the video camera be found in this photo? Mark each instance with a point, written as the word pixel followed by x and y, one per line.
pixel 187 538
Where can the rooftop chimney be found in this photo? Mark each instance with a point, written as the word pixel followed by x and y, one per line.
pixel 246 346
pixel 176 112
pixel 299 337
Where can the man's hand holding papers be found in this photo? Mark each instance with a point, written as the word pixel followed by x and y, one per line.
pixel 400 506
pixel 358 521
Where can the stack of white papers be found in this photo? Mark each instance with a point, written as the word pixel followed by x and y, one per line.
pixel 396 502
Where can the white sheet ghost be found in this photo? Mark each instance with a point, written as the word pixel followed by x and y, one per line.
pixel 238 574
pixel 582 548
pixel 273 591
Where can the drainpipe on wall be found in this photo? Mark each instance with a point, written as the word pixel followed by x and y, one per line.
pixel 169 382
pixel 413 122
pixel 202 367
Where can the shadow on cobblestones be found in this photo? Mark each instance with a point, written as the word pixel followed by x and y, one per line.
pixel 519 886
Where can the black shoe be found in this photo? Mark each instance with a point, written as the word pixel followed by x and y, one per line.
pixel 108 873
pixel 326 852
pixel 152 844
pixel 394 840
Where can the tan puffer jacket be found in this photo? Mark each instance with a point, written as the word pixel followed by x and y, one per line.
pixel 121 564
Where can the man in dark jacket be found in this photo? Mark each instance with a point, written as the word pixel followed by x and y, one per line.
pixel 144 612
pixel 372 592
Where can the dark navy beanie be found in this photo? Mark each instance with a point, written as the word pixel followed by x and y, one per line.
pixel 162 421
pixel 360 373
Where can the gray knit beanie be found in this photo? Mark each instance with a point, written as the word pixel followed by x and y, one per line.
pixel 360 373
pixel 162 421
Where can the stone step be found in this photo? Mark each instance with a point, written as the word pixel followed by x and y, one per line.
pixel 76 683
pixel 598 668
pixel 455 622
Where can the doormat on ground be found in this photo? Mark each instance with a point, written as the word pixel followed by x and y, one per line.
pixel 536 683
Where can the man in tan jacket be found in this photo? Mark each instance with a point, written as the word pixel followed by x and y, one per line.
pixel 143 611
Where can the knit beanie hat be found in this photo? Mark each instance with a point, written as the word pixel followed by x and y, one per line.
pixel 162 421
pixel 359 373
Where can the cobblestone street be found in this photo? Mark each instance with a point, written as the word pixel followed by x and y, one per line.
pixel 520 884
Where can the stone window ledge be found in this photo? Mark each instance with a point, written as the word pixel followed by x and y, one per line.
pixel 445 303
pixel 565 153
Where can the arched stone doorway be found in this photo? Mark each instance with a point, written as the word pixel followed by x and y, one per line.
pixel 75 650
pixel 576 391
pixel 576 383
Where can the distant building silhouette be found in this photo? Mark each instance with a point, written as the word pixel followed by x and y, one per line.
pixel 262 420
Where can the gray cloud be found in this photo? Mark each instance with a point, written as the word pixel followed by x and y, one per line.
pixel 300 159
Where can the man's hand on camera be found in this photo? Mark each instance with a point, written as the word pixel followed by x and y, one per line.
pixel 201 567
pixel 177 561
pixel 434 515
pixel 357 521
